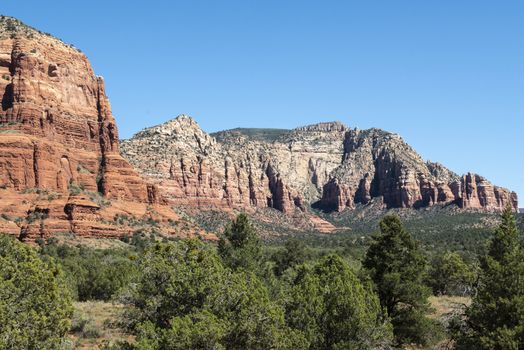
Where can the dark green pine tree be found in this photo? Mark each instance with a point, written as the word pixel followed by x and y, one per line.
pixel 397 267
pixel 495 320
pixel 240 247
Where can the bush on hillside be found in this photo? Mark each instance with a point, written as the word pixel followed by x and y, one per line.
pixel 35 305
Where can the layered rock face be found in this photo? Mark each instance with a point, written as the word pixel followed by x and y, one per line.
pixel 381 164
pixel 56 126
pixel 59 143
pixel 195 169
pixel 325 164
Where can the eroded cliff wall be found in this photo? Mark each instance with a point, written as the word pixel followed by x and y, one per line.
pixel 326 164
pixel 60 166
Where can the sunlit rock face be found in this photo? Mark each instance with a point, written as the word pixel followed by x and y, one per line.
pixel 327 164
pixel 58 142
pixel 56 122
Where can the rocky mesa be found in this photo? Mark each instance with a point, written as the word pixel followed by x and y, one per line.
pixel 327 165
pixel 60 165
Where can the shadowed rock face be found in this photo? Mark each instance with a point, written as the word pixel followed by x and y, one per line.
pixel 325 164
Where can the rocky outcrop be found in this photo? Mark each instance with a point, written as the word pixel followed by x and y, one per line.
pixel 59 140
pixel 232 170
pixel 477 192
pixel 326 164
pixel 56 126
pixel 381 164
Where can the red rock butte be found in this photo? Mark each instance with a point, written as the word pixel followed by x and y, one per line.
pixel 58 136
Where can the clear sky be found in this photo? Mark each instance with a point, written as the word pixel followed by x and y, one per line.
pixel 446 75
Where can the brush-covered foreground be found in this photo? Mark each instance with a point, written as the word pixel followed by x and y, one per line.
pixel 95 323
pixel 154 292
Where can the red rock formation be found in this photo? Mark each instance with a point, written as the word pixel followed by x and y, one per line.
pixel 338 196
pixel 56 123
pixel 322 225
pixel 58 136
pixel 478 193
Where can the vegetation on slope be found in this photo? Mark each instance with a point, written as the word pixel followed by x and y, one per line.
pixel 11 27
pixel 244 293
pixel 259 134
pixel 35 309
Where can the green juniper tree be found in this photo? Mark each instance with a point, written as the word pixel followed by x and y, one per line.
pixel 295 252
pixel 397 267
pixel 35 304
pixel 197 331
pixel 92 274
pixel 184 298
pixel 175 279
pixel 449 274
pixel 240 247
pixel 495 320
pixel 334 310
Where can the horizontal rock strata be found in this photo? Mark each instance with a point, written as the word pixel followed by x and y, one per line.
pixel 58 136
pixel 327 165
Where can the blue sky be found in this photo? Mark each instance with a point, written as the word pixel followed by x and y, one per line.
pixel 446 75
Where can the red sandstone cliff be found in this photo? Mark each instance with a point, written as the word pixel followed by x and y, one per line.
pixel 56 123
pixel 58 136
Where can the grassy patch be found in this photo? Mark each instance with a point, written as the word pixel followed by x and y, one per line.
pixel 95 325
pixel 6 132
pixel 82 170
pixel 43 194
pixel 444 309
pixel 97 197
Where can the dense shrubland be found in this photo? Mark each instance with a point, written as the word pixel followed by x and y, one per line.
pixel 243 294
pixel 93 274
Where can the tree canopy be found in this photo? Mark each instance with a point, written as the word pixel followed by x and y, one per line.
pixel 334 310
pixel 449 274
pixel 184 287
pixel 495 320
pixel 239 247
pixel 397 267
pixel 35 305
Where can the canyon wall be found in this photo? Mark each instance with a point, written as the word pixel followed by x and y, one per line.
pixel 59 147
pixel 327 165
